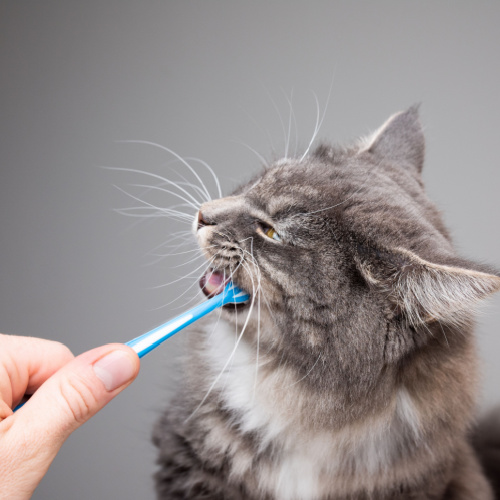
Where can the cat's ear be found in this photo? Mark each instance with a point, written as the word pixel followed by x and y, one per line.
pixel 425 291
pixel 400 140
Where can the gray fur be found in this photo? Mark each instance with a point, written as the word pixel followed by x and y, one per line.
pixel 367 362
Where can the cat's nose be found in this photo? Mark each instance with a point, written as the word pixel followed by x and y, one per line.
pixel 202 221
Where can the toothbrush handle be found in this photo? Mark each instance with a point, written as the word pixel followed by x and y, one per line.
pixel 148 341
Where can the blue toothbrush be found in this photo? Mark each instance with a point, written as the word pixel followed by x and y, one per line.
pixel 152 339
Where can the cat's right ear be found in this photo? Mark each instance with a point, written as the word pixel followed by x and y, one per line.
pixel 399 140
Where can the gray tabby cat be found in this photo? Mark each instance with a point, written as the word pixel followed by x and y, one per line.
pixel 356 377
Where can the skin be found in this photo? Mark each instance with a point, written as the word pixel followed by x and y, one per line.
pixel 67 391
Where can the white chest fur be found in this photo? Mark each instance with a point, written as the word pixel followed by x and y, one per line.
pixel 308 462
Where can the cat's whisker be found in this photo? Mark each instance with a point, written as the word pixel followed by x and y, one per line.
pixel 252 258
pixel 189 274
pixel 255 293
pixel 316 129
pixel 257 354
pixel 319 122
pixel 177 156
pixel 269 308
pixel 165 245
pixel 308 372
pixel 291 117
pixel 152 206
pixel 209 168
pixel 194 204
pixel 237 342
pixel 179 235
pixel 184 303
pixel 190 261
pixel 163 180
pixel 196 188
pixel 214 383
pixel 201 192
pixel 199 250
pixel 154 212
pixel 296 128
pixel 195 283
pixel 219 317
pixel 258 125
pixel 169 254
pixel 180 205
pixel 287 138
pixel 255 152
pixel 279 116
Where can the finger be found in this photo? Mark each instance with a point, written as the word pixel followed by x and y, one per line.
pixel 25 364
pixel 64 402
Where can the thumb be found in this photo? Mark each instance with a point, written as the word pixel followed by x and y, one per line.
pixel 65 401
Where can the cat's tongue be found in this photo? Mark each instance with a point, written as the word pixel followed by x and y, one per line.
pixel 212 283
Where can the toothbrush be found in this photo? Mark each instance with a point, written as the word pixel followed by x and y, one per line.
pixel 148 341
pixel 152 339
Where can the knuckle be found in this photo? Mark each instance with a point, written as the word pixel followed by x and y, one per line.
pixel 65 351
pixel 80 398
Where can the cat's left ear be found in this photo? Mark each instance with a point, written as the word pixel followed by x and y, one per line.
pixel 426 291
pixel 399 140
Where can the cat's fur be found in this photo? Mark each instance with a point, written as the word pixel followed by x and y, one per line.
pixel 367 365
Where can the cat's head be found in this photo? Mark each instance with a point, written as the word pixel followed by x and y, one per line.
pixel 344 252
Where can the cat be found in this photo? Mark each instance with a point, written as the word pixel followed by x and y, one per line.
pixel 351 373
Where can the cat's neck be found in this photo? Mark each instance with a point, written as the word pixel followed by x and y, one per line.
pixel 293 458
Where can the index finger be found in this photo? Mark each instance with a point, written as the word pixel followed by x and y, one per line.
pixel 25 364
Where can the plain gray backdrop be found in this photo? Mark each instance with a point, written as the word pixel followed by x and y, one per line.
pixel 209 80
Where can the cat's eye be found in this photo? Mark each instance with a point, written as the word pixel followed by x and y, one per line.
pixel 271 233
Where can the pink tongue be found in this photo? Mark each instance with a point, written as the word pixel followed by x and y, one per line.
pixel 212 283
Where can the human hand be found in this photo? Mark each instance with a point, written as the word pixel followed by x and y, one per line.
pixel 69 391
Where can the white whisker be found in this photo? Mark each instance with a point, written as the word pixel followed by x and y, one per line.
pixel 264 129
pixel 319 122
pixel 189 261
pixel 169 254
pixel 279 115
pixel 173 153
pixel 129 212
pixel 256 153
pixel 179 235
pixel 150 205
pixel 287 141
pixel 154 176
pixel 316 129
pixel 308 372
pixel 183 277
pixel 195 283
pixel 194 203
pixel 229 360
pixel 209 168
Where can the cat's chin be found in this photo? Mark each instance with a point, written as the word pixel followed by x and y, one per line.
pixel 213 282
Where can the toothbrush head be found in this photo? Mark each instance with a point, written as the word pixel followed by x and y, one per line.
pixel 233 295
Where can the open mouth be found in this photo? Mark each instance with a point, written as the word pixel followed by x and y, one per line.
pixel 213 282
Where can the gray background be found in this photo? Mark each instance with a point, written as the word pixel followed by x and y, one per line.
pixel 201 78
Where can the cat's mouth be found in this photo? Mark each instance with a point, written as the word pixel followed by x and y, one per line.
pixel 213 282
